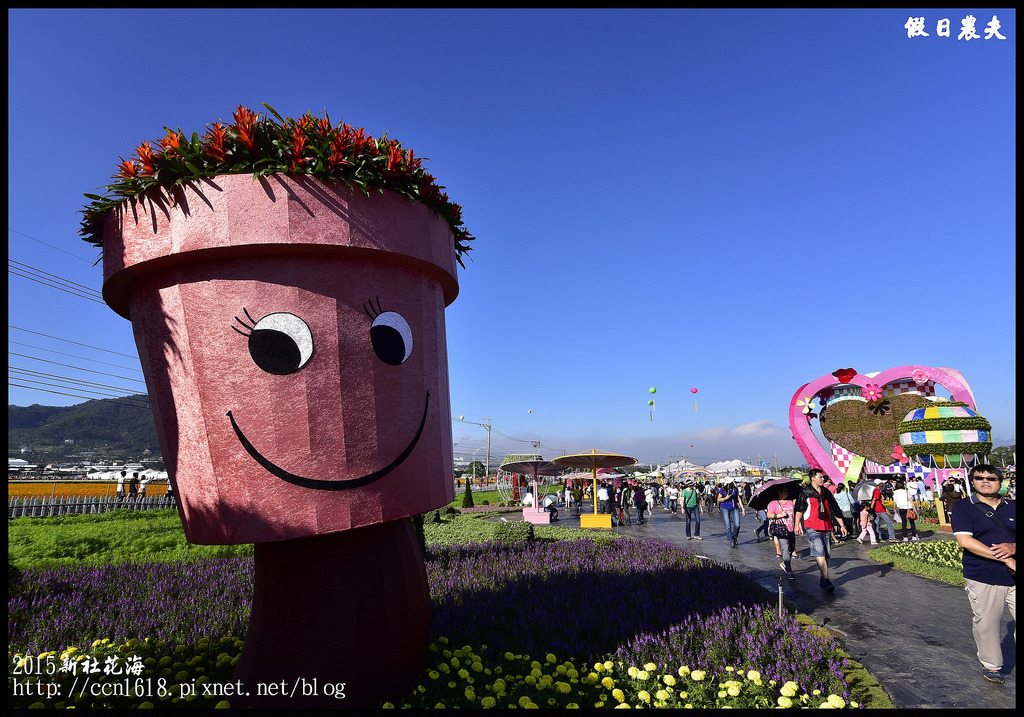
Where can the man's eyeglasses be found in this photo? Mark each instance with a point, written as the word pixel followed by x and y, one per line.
pixel 987 479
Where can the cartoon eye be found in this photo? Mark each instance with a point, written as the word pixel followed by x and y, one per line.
pixel 279 343
pixel 391 337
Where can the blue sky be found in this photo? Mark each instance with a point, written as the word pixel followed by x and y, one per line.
pixel 738 201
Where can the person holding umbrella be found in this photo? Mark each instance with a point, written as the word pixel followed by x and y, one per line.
pixel 815 507
pixel 775 499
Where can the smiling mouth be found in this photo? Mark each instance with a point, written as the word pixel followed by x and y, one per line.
pixel 303 482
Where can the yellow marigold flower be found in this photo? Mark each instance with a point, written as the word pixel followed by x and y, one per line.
pixel 684 671
pixel 623 706
pixel 463 674
pixel 608 683
pixel 785 703
pixel 642 675
pixel 753 675
pixel 644 696
pixel 598 667
pixel 697 675
pixel 509 656
pixel 789 689
pixel 618 695
pixel 387 706
pixel 573 674
pixel 836 701
pixel 730 669
pixel 733 690
pixel 572 706
pixel 661 695
pixel 433 674
pixel 632 671
pixel 470 694
pixel 439 706
pixel 551 658
pixel 499 685
pixel 524 701
pixel 477 667
pixel 608 665
pixel 454 662
pixel 592 678
pixel 563 688
pixel 650 667
pixel 669 680
pixel 721 694
pixel 816 692
pixel 488 702
pixel 560 670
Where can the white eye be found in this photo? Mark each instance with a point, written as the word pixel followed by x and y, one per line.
pixel 281 343
pixel 391 338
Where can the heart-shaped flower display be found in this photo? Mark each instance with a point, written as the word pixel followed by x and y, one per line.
pixel 847 421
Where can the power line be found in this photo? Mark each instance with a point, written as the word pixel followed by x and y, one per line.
pixel 75 395
pixel 53 281
pixel 57 338
pixel 51 246
pixel 77 368
pixel 34 376
pixel 81 358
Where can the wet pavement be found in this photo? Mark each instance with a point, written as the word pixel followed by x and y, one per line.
pixel 911 633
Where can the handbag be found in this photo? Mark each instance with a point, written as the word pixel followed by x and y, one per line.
pixel 911 514
pixel 777 528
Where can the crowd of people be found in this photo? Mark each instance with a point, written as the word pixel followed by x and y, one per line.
pixel 980 509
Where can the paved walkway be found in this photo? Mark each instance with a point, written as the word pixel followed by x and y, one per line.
pixel 911 633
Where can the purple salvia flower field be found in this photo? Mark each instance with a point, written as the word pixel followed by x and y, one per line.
pixel 639 601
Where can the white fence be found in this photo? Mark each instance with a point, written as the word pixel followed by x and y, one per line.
pixel 46 507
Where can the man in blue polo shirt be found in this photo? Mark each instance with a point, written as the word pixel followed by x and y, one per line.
pixel 989 557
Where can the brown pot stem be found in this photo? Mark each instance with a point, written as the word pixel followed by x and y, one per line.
pixel 338 621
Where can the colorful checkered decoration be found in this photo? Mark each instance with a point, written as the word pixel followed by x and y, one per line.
pixel 846 392
pixel 909 469
pixel 843 458
pixel 908 386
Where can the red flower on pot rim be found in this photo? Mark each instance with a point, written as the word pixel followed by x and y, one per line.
pixel 262 145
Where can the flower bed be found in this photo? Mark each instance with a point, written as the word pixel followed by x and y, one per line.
pixel 73 489
pixel 578 603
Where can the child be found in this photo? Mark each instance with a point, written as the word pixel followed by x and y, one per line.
pixel 865 520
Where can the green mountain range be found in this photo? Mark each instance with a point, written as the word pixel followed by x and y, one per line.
pixel 108 429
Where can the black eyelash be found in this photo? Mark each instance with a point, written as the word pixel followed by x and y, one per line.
pixel 245 325
pixel 377 310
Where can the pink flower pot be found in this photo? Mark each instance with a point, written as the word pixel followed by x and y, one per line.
pixel 292 338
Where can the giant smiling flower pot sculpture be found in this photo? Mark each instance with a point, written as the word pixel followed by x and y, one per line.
pixel 291 332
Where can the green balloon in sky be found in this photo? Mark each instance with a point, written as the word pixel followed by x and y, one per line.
pixel 650 403
pixel 653 390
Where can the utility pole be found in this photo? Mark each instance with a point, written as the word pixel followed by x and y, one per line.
pixel 487 425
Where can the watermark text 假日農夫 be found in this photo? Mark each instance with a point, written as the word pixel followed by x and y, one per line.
pixel 919 26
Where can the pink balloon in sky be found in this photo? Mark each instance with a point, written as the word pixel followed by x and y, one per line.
pixel 693 390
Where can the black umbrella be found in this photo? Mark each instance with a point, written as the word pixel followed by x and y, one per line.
pixel 770 491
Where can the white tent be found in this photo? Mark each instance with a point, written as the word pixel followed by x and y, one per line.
pixel 730 467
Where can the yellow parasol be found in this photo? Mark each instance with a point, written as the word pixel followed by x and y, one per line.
pixel 594 459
